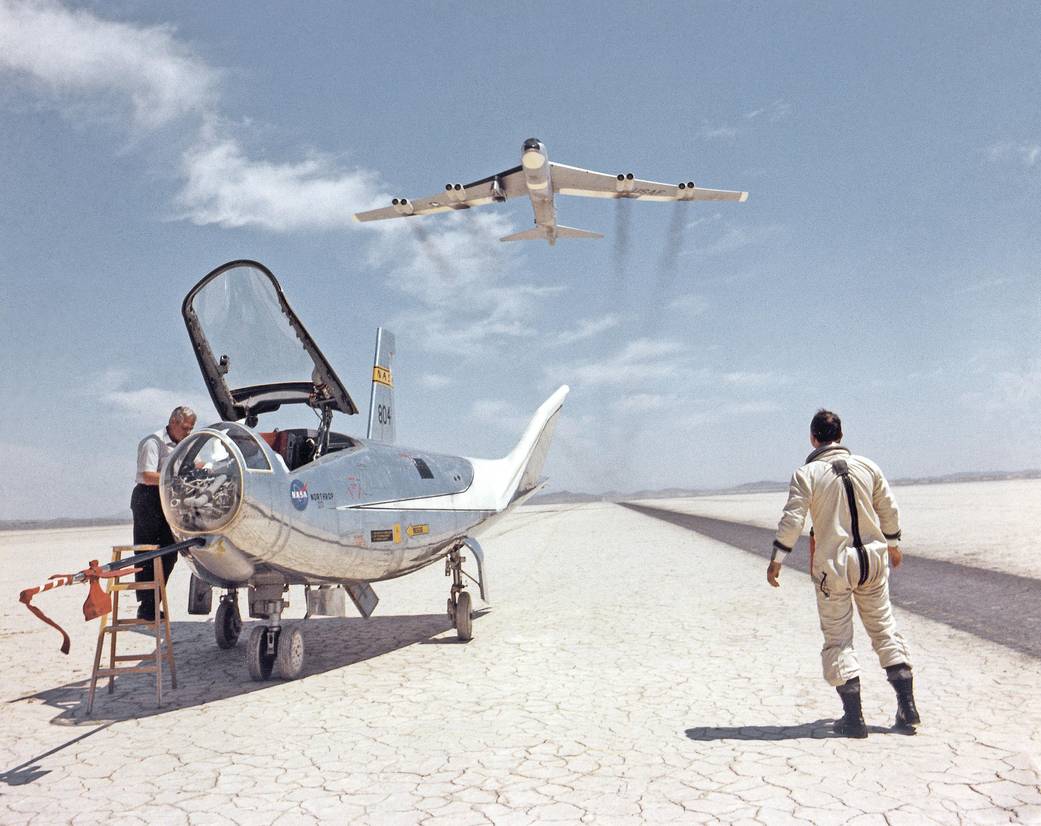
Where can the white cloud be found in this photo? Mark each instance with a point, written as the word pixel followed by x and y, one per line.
pixel 734 238
pixel 702 411
pixel 145 404
pixel 434 381
pixel 463 279
pixel 94 64
pixel 74 52
pixel 987 283
pixel 637 363
pixel 776 111
pixel 690 305
pixel 642 402
pixel 717 133
pixel 752 379
pixel 223 186
pixel 586 328
pixel 499 414
pixel 1011 393
pixel 772 113
pixel 1026 152
pixel 705 219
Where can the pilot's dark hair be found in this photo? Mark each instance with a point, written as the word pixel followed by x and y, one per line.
pixel 826 427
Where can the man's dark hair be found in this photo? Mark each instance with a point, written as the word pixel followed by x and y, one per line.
pixel 826 427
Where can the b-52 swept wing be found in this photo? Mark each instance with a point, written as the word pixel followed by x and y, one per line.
pixel 540 179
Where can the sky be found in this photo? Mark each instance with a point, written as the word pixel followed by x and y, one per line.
pixel 887 264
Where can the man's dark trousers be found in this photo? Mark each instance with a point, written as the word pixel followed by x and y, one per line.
pixel 150 528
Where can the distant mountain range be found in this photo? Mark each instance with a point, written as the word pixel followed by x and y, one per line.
pixel 767 486
pixel 566 497
pixel 64 522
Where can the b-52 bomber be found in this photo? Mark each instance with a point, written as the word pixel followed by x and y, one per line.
pixel 332 512
pixel 540 179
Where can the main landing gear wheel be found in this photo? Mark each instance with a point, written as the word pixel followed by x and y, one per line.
pixel 290 655
pixel 227 625
pixel 463 618
pixel 258 660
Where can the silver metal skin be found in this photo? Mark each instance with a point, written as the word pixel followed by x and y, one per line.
pixel 314 525
pixel 540 179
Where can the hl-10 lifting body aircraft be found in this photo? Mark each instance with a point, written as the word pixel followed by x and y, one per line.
pixel 313 507
pixel 540 179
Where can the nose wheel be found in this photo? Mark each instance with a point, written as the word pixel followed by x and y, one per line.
pixel 227 625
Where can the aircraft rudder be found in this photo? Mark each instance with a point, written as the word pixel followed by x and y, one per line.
pixel 381 400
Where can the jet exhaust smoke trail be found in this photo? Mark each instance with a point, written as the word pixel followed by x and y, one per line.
pixel 673 243
pixel 622 219
pixel 667 264
pixel 441 264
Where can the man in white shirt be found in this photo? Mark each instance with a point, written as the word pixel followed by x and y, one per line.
pixel 855 538
pixel 150 526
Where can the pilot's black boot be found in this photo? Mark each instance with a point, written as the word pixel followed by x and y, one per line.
pixel 903 684
pixel 851 723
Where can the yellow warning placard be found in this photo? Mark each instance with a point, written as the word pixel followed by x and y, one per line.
pixel 418 530
pixel 382 375
pixel 397 533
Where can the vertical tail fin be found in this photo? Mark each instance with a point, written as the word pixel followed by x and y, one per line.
pixel 381 402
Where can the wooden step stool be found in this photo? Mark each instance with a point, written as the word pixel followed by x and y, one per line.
pixel 110 628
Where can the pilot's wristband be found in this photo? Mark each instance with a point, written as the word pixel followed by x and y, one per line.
pixel 780 553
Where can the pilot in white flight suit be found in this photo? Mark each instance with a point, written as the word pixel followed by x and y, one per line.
pixel 855 537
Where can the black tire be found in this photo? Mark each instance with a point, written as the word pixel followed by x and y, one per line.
pixel 258 661
pixel 290 655
pixel 227 625
pixel 463 619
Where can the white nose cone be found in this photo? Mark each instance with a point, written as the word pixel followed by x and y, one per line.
pixel 533 160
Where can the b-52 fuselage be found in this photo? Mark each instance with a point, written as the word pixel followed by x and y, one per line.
pixel 312 506
pixel 540 179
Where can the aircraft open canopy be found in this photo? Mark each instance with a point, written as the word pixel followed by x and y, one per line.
pixel 254 353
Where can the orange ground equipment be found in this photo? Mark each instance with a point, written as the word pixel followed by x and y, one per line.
pixel 98 603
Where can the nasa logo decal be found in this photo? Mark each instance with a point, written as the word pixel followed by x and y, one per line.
pixel 298 493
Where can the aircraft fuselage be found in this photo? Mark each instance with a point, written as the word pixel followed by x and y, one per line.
pixel 343 517
pixel 535 164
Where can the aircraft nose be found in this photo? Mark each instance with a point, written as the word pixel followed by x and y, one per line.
pixel 201 485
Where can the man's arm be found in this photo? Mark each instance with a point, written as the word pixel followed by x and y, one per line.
pixel 148 461
pixel 790 527
pixel 885 506
pixel 884 503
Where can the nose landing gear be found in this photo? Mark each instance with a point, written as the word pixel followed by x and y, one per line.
pixel 272 645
